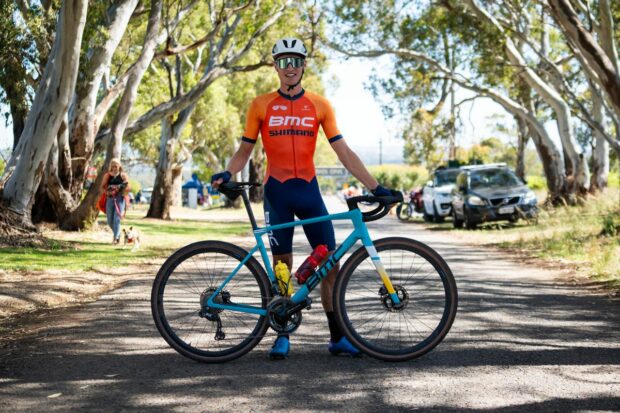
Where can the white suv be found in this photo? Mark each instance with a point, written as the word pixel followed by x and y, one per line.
pixel 437 194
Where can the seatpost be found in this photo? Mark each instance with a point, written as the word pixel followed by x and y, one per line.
pixel 248 208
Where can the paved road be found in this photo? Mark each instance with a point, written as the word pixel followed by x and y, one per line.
pixel 522 341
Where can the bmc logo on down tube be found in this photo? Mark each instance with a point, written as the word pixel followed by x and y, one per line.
pixel 291 121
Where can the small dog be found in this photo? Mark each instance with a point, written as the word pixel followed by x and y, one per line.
pixel 131 236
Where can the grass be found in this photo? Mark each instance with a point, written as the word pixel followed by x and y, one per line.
pixel 92 250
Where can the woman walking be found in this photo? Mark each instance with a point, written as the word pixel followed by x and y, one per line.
pixel 115 184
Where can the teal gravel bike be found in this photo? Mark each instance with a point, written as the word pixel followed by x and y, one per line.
pixel 395 298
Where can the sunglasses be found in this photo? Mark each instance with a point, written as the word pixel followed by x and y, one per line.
pixel 296 62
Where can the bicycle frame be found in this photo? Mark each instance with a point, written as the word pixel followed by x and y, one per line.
pixel 360 232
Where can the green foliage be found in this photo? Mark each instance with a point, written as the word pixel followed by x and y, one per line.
pixel 134 185
pixel 613 180
pixel 401 177
pixel 216 123
pixel 610 224
pixel 426 139
pixel 536 182
pixel 2 165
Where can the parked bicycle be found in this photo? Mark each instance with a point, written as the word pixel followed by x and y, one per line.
pixel 395 298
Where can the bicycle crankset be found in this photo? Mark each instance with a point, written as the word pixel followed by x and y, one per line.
pixel 284 315
pixel 387 302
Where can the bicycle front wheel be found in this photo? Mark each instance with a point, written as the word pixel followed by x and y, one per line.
pixel 425 286
pixel 179 302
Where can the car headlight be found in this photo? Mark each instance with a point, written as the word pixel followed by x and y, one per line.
pixel 475 200
pixel 530 196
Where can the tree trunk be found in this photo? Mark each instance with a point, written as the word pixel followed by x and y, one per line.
pixel 86 213
pixel 169 166
pixel 600 151
pixel 19 109
pixel 26 166
pixel 257 174
pixel 522 143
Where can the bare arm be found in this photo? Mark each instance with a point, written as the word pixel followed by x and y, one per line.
pixel 353 164
pixel 238 160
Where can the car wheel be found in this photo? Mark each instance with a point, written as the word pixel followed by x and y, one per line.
pixel 457 223
pixel 469 224
pixel 426 216
pixel 438 218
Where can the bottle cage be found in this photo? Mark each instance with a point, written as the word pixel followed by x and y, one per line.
pixel 384 204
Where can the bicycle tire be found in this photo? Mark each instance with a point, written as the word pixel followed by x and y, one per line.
pixel 402 211
pixel 440 289
pixel 177 295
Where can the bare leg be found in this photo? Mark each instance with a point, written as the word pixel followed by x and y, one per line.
pixel 327 288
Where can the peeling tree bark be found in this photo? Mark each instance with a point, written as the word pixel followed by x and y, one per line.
pixel 26 166
pixel 607 76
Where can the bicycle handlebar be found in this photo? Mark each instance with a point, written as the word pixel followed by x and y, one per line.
pixel 385 204
pixel 233 189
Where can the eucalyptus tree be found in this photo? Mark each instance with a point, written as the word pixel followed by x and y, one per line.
pixel 500 52
pixel 198 52
pixel 70 152
pixel 49 108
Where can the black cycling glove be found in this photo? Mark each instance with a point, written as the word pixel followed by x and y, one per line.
pixel 381 191
pixel 224 176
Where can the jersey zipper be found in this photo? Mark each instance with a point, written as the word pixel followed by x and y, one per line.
pixel 293 138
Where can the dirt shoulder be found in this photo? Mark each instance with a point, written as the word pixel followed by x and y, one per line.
pixel 24 296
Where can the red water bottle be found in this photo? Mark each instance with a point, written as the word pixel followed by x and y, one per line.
pixel 307 268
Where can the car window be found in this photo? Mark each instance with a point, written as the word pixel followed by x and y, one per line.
pixel 446 177
pixel 493 177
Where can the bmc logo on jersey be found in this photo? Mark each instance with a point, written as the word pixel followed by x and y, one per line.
pixel 291 121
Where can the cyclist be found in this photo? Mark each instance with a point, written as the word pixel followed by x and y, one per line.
pixel 288 121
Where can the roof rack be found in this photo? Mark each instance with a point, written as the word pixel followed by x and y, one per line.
pixel 488 165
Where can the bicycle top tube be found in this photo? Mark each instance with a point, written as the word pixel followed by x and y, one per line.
pixel 355 216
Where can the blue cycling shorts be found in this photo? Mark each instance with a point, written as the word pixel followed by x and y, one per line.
pixel 296 197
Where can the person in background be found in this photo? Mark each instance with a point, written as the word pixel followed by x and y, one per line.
pixel 115 184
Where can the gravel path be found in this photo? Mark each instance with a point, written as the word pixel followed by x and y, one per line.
pixel 522 341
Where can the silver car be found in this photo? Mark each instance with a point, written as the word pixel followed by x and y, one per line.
pixel 437 194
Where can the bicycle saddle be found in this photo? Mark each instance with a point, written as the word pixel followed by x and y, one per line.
pixel 233 189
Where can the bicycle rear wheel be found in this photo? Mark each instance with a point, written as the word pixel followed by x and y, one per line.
pixel 428 294
pixel 180 292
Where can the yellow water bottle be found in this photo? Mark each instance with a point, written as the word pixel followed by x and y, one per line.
pixel 283 275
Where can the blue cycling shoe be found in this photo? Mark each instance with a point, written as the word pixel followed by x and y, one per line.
pixel 343 347
pixel 280 348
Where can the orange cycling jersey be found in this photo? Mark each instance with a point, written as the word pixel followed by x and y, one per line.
pixel 289 127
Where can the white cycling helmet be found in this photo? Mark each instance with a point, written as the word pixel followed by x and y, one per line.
pixel 289 45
